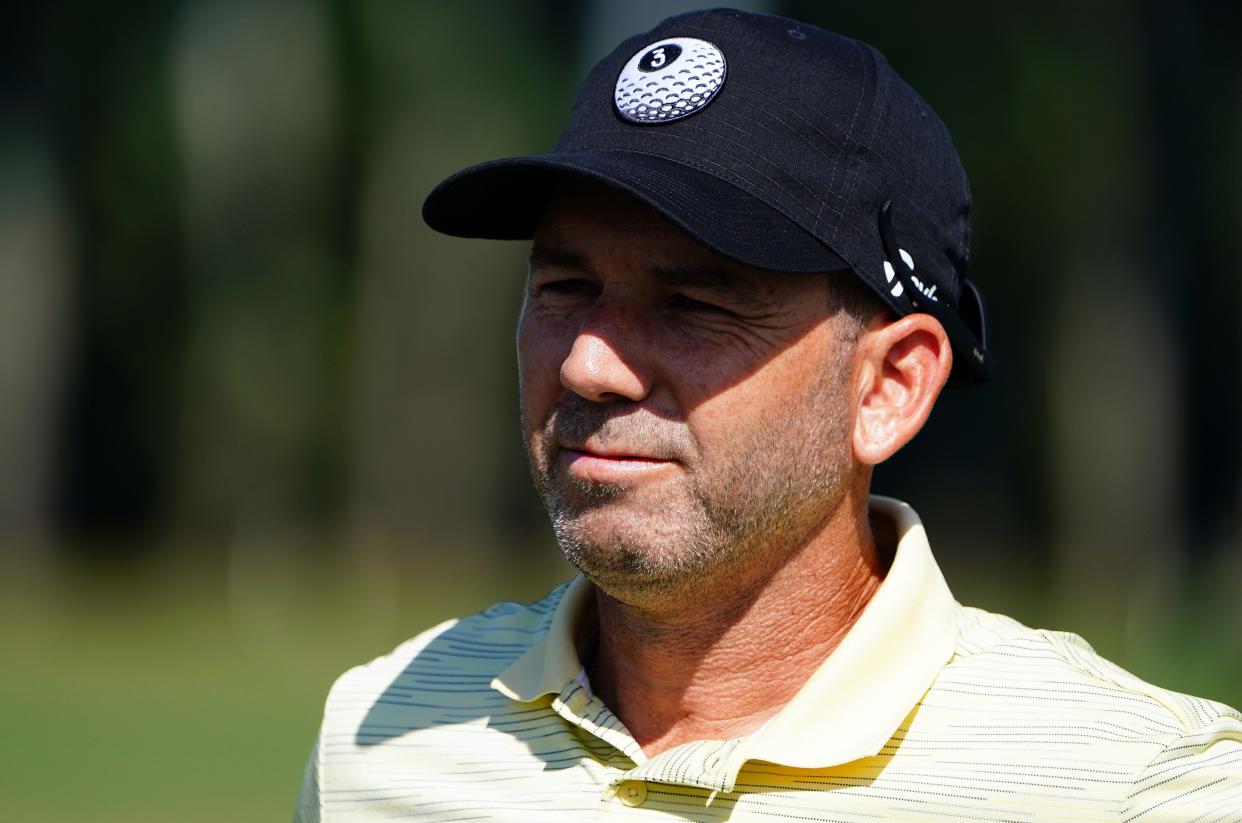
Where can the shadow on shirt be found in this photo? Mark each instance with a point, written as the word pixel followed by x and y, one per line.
pixel 442 698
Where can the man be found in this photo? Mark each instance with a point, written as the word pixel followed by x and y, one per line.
pixel 746 290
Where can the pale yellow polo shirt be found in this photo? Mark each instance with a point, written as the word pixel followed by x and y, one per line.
pixel 926 711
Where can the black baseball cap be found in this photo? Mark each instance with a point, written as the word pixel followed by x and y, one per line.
pixel 772 142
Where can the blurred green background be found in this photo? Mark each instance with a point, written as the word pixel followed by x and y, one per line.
pixel 258 422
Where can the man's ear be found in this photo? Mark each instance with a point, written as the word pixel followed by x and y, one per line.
pixel 902 366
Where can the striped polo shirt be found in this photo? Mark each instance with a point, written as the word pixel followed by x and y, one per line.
pixel 926 711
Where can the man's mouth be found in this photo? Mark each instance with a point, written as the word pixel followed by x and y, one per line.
pixel 610 465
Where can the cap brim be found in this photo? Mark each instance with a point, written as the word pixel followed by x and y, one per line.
pixel 505 200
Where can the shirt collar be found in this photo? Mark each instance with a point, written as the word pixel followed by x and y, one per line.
pixel 853 703
pixel 552 662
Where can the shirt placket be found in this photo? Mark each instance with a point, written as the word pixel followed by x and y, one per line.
pixel 632 780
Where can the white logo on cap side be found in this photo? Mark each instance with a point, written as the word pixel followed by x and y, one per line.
pixel 668 80
pixel 928 291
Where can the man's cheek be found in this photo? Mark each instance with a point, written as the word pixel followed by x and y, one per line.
pixel 539 366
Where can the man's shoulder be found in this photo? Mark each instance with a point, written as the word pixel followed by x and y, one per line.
pixel 1041 715
pixel 458 656
pixel 1000 662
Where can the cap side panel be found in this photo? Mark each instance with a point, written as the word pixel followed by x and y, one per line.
pixel 832 192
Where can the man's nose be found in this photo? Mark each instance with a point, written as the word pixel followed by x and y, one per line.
pixel 607 360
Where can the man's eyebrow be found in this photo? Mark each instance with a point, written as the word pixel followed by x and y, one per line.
pixel 716 280
pixel 544 257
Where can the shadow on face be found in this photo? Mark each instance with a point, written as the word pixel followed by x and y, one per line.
pixel 623 308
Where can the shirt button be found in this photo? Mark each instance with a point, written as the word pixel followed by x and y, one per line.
pixel 632 793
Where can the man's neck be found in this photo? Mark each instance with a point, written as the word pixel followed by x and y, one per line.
pixel 720 667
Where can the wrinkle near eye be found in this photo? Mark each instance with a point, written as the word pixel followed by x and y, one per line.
pixel 757 337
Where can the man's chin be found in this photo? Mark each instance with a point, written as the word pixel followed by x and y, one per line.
pixel 624 572
pixel 612 542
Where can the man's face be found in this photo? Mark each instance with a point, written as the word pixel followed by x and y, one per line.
pixel 687 418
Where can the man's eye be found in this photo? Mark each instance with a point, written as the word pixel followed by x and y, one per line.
pixel 688 304
pixel 568 288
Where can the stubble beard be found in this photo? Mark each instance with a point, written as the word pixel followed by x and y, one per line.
pixel 733 520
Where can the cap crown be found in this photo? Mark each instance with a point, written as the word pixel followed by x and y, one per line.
pixel 816 125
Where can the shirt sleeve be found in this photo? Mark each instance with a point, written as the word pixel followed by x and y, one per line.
pixel 1196 777
pixel 308 808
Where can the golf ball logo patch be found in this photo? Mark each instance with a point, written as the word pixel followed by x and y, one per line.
pixel 668 80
